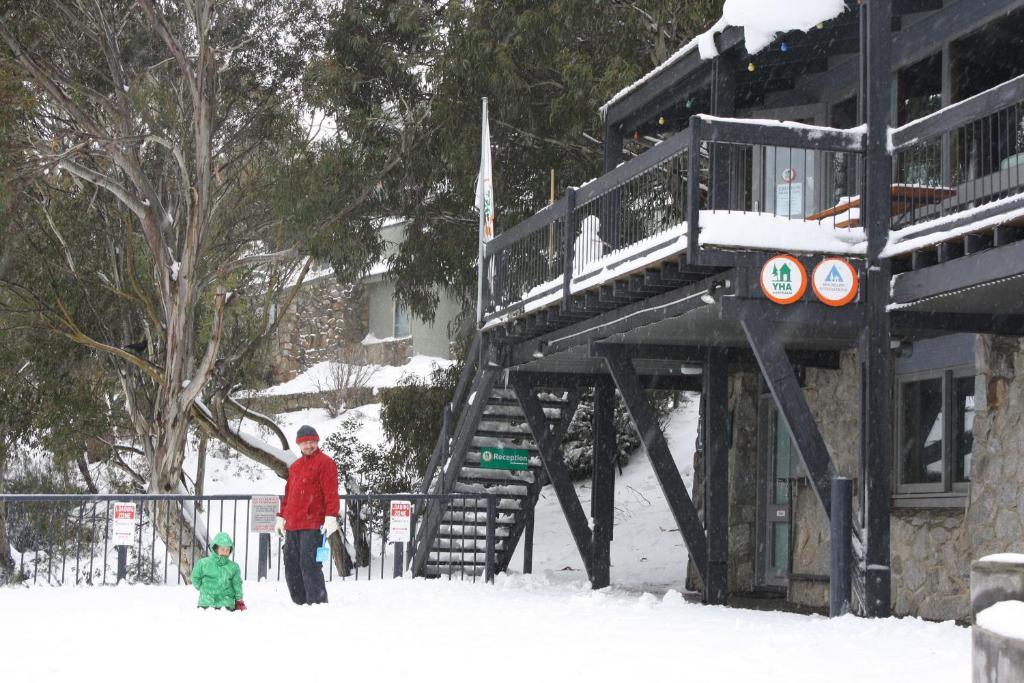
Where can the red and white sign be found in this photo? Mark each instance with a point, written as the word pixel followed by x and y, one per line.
pixel 263 513
pixel 123 531
pixel 401 521
pixel 835 282
pixel 783 279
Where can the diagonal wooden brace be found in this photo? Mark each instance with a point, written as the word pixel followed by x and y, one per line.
pixel 789 398
pixel 549 444
pixel 646 423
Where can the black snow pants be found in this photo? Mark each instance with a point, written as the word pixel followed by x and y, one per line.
pixel 302 572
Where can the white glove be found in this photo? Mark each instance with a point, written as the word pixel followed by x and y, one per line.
pixel 330 526
pixel 279 526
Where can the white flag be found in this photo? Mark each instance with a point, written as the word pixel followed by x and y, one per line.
pixel 484 183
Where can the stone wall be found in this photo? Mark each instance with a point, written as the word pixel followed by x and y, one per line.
pixel 743 398
pixel 326 321
pixel 930 566
pixel 834 400
pixel 995 511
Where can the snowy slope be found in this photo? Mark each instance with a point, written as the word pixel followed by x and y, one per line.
pixel 647 549
pixel 522 628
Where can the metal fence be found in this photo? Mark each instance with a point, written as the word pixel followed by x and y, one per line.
pixel 78 539
pixel 948 166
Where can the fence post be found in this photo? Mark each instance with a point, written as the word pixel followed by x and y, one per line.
pixel 122 563
pixel 839 585
pixel 492 518
pixel 264 558
pixel 399 560
pixel 570 248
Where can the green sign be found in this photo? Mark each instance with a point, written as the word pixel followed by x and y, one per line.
pixel 504 458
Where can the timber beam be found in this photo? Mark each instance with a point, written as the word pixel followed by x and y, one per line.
pixel 948 323
pixel 646 422
pixel 792 404
pixel 732 354
pixel 549 445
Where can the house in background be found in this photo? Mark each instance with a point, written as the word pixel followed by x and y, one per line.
pixel 360 323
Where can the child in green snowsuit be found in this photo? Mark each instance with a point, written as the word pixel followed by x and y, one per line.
pixel 217 578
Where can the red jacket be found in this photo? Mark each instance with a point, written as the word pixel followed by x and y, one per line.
pixel 311 492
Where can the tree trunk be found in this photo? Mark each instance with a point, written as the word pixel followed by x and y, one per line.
pixel 201 467
pixel 6 558
pixel 174 524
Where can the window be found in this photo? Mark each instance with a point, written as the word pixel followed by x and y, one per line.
pixel 401 327
pixel 935 431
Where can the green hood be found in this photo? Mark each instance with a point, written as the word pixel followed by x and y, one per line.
pixel 221 540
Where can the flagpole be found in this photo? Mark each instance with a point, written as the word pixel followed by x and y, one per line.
pixel 480 232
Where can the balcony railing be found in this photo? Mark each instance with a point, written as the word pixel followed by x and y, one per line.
pixel 959 170
pixel 758 184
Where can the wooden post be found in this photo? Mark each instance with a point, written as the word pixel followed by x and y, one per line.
pixel 603 488
pixel 876 388
pixel 716 474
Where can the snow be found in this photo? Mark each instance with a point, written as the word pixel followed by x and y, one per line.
pixel 434 631
pixel 648 553
pixel 1004 618
pixel 370 339
pixel 910 239
pixel 381 376
pixel 736 229
pixel 761 21
pixel 752 230
pixel 1010 558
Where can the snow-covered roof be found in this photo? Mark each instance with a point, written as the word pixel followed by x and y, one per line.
pixel 761 21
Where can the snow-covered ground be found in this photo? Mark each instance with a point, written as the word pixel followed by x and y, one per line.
pixel 642 626
pixel 647 549
pixel 318 377
pixel 521 628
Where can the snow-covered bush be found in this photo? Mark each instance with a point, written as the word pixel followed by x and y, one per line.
pixel 578 444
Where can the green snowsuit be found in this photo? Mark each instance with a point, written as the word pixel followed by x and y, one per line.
pixel 218 579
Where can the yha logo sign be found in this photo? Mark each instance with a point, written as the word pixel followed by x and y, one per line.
pixel 783 279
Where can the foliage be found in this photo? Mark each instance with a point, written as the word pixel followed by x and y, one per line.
pixel 409 74
pixel 578 444
pixel 411 414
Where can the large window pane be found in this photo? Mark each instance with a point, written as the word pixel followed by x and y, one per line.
pixel 402 327
pixel 963 443
pixel 921 431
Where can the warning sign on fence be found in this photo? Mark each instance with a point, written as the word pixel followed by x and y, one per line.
pixel 123 532
pixel 401 521
pixel 263 513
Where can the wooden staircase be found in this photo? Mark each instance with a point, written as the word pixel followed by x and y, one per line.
pixel 451 537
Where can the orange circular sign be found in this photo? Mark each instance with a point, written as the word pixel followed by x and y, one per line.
pixel 835 282
pixel 783 279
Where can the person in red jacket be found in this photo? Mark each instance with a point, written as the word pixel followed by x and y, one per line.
pixel 310 502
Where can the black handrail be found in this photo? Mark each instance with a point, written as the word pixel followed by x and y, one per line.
pixel 956 115
pixel 465 379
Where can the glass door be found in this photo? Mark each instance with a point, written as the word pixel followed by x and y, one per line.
pixel 777 456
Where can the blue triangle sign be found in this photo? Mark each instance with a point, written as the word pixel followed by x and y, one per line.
pixel 834 275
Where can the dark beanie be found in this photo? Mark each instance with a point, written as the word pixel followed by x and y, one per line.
pixel 307 433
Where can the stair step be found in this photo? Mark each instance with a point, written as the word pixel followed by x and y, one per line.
pixel 464 513
pixel 459 544
pixel 446 557
pixel 433 570
pixel 476 475
pixel 493 413
pixel 506 397
pixel 497 430
pixel 507 491
pixel 488 441
pixel 473 530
